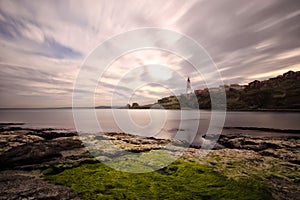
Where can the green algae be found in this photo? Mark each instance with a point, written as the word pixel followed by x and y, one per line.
pixel 142 163
pixel 180 180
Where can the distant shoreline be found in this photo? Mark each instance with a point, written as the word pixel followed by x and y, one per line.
pixel 107 107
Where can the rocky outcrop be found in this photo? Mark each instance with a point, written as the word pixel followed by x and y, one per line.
pixel 286 149
pixel 22 146
pixel 25 150
pixel 279 93
pixel 37 152
pixel 24 185
pixel 35 148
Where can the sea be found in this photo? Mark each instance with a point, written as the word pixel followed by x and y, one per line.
pixel 155 122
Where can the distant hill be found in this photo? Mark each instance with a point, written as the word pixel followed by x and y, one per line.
pixel 279 93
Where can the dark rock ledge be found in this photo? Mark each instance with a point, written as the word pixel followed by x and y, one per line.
pixel 28 185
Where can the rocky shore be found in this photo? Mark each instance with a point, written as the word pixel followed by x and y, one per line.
pixel 25 153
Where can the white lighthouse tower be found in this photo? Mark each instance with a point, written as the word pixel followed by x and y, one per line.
pixel 188 86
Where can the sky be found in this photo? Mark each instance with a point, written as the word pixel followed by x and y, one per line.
pixel 44 44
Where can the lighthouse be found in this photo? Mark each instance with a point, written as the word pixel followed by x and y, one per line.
pixel 188 86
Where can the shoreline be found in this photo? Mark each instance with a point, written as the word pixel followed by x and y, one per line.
pixel 143 108
pixel 30 155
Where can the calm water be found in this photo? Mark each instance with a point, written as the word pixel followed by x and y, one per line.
pixel 150 122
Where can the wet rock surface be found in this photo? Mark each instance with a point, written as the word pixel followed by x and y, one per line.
pixel 285 148
pixel 37 152
pixel 21 146
pixel 24 185
pixel 24 150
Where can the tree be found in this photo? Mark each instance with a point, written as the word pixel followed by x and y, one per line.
pixel 135 105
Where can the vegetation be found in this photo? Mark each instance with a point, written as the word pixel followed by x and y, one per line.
pixel 282 92
pixel 181 180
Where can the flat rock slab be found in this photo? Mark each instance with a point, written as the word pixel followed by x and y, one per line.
pixel 37 152
pixel 24 185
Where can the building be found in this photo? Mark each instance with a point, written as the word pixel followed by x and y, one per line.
pixel 188 86
pixel 201 91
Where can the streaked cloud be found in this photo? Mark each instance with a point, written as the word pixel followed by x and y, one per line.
pixel 276 73
pixel 44 43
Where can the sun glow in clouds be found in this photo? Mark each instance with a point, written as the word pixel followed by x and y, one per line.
pixel 159 72
pixel 133 69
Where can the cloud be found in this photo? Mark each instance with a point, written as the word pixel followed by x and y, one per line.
pixel 44 43
pixel 276 73
pixel 36 41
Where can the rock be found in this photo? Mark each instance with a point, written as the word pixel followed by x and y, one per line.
pixel 283 189
pixel 29 149
pixel 218 146
pixel 289 155
pixel 24 185
pixel 255 144
pixel 8 142
pixel 37 152
pixel 285 149
pixel 50 134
